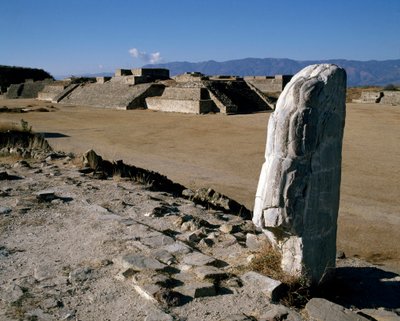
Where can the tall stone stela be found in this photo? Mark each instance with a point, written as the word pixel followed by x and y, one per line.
pixel 297 199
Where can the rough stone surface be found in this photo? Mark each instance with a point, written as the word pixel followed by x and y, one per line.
pixel 323 310
pixel 198 259
pixel 141 262
pixel 61 260
pixel 297 198
pixel 273 289
pixel 197 289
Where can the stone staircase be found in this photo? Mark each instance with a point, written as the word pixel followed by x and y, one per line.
pixel 112 95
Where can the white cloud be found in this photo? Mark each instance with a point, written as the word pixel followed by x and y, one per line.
pixel 150 58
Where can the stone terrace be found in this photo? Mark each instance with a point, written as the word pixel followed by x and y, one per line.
pixel 113 95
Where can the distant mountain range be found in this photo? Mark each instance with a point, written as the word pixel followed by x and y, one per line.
pixel 359 73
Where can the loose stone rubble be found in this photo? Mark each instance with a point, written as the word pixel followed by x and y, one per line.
pixel 77 246
pixel 297 199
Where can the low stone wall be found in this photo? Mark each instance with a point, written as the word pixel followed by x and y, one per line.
pixel 184 93
pixel 51 91
pixel 187 106
pixel 268 84
pixel 391 98
pixel 376 97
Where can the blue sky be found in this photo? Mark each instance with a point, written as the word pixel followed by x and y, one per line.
pixel 90 36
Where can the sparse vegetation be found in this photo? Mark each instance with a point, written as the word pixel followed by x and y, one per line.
pixel 355 92
pixel 268 262
pixel 391 87
pixel 25 126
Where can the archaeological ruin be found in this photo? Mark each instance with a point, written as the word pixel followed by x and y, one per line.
pixel 387 97
pixel 297 199
pixel 152 88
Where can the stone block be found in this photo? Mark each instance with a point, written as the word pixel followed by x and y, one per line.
pixel 273 289
pixel 198 259
pixel 210 273
pixel 256 242
pixel 180 105
pixel 323 310
pixel 139 262
pixel 197 289
pixel 123 72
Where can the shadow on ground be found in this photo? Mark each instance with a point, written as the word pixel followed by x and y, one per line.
pixel 363 288
pixel 53 135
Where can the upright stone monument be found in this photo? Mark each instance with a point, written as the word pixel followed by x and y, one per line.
pixel 297 198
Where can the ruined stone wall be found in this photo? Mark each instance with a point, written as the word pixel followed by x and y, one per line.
pixel 268 84
pixel 187 106
pixel 383 97
pixel 52 90
pixel 186 93
pixel 189 77
pixel 154 73
pixel 237 96
pixel 28 89
pixel 391 97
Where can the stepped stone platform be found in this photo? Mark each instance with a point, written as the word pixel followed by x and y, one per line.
pixel 28 89
pixel 269 84
pixel 385 97
pixel 198 94
pixel 185 100
pixel 112 95
pixel 52 90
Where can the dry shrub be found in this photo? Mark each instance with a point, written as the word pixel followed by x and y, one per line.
pixel 268 262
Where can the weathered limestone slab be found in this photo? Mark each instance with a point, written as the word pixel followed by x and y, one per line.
pixel 323 310
pixel 273 289
pixel 180 105
pixel 297 199
pixel 138 262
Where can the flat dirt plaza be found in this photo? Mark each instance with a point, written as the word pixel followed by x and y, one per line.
pixel 226 153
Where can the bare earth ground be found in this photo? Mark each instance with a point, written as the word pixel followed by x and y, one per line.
pixel 226 153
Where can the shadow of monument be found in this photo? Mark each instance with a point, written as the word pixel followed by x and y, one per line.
pixel 53 135
pixel 363 287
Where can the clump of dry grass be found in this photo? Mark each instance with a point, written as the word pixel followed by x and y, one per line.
pixel 267 261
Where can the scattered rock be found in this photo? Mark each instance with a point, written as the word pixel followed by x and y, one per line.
pixel 80 275
pixel 256 242
pixel 139 262
pixel 380 314
pixel 45 196
pixel 198 259
pixel 5 210
pixel 280 312
pixel 197 289
pixel 323 310
pixel 209 273
pixel 273 289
